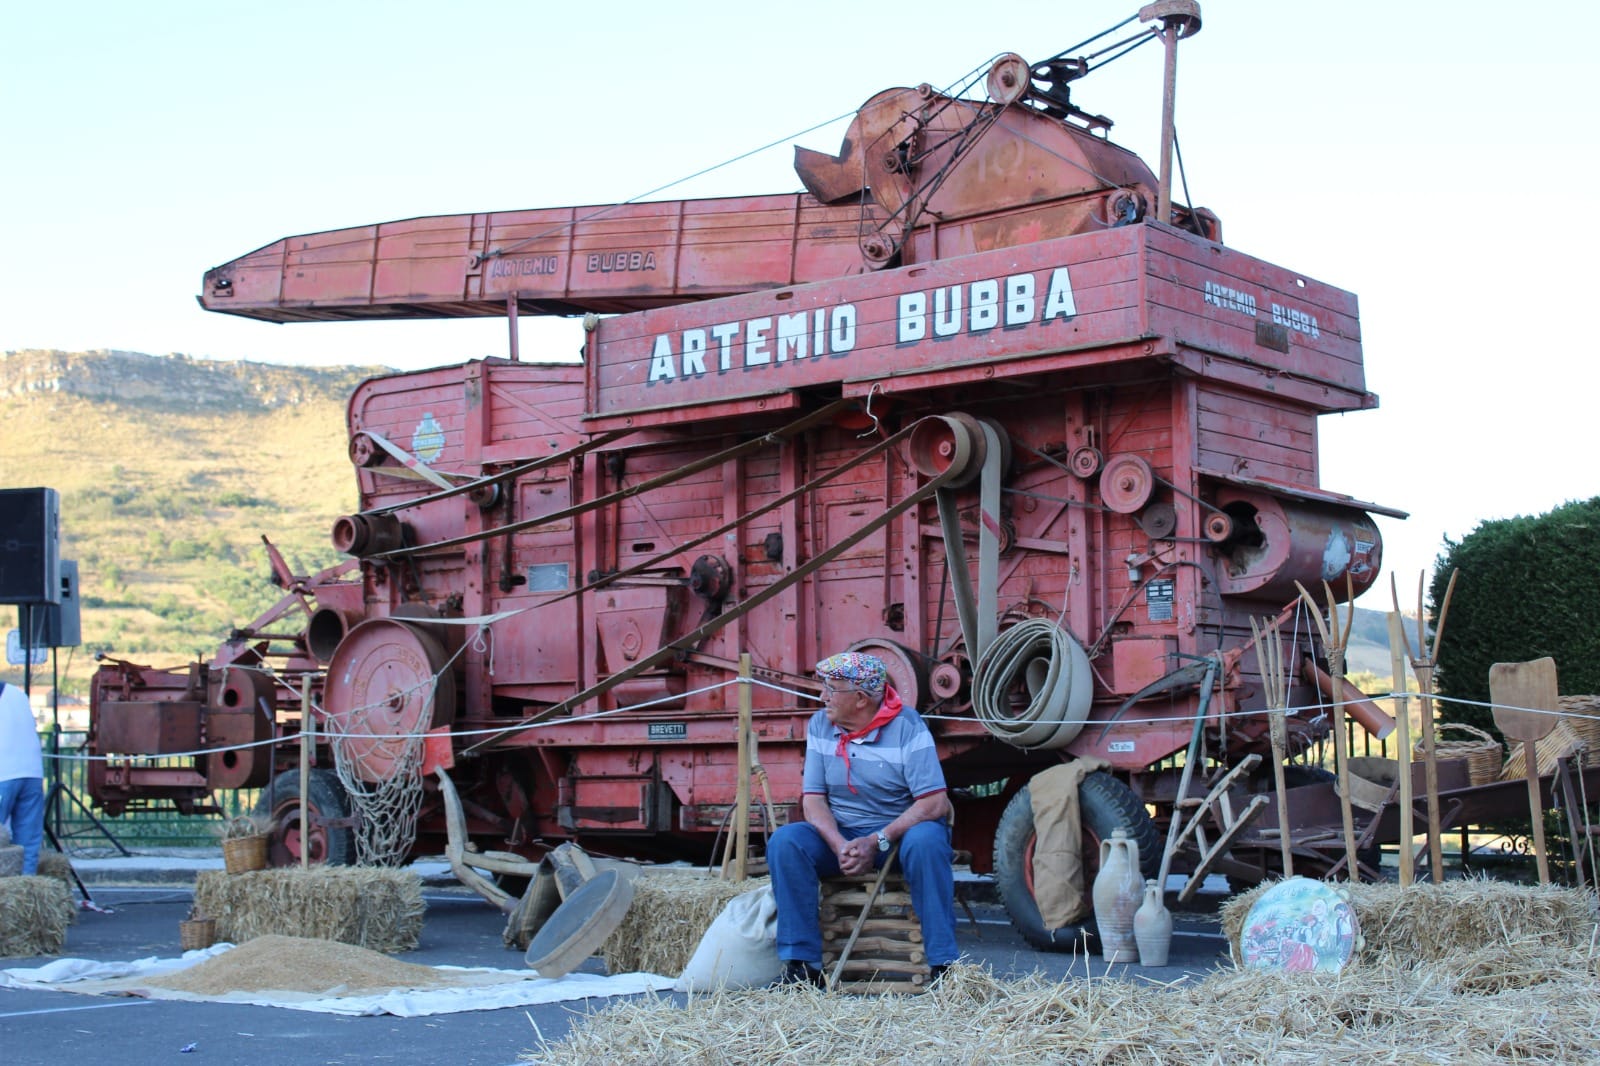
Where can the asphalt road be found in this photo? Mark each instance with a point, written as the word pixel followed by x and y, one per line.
pixel 460 929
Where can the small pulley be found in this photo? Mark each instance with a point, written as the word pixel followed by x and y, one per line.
pixel 1159 521
pixel 711 578
pixel 1008 79
pixel 1085 461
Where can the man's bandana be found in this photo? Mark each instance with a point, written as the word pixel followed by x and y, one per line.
pixel 865 672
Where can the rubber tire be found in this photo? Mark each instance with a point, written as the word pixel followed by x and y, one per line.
pixel 327 799
pixel 1105 803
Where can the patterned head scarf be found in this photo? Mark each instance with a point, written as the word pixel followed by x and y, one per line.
pixel 865 672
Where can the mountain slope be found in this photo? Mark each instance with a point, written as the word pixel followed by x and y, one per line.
pixel 170 469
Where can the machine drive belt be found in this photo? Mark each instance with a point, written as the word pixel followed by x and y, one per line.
pixel 798 426
pixel 798 574
pixel 979 621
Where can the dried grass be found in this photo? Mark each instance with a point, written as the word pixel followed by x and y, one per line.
pixel 1467 972
pixel 34 915
pixel 670 912
pixel 56 865
pixel 1424 922
pixel 370 907
pixel 1538 1010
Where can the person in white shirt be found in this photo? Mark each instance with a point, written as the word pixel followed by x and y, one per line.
pixel 21 775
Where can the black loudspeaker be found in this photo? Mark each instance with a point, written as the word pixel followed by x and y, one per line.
pixel 56 625
pixel 30 539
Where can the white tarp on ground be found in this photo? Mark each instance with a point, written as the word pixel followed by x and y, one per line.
pixel 488 989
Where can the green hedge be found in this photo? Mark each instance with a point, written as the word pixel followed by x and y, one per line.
pixel 1528 587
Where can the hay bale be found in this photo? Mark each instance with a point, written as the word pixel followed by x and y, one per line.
pixel 1425 922
pixel 670 912
pixel 1385 1013
pixel 371 907
pixel 11 860
pixel 56 865
pixel 34 915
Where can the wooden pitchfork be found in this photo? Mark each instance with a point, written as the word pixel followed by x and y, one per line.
pixel 1275 680
pixel 1423 660
pixel 1334 639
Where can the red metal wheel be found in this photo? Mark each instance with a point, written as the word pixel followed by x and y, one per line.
pixel 385 683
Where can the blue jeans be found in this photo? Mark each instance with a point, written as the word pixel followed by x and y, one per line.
pixel 22 805
pixel 799 858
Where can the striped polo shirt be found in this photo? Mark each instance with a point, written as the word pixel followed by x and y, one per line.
pixel 889 768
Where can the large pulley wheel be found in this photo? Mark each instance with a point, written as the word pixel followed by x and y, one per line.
pixel 386 684
pixel 1126 483
pixel 943 444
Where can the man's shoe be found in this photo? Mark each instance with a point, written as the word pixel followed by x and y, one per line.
pixel 936 974
pixel 799 972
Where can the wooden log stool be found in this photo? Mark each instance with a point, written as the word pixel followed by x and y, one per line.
pixel 871 937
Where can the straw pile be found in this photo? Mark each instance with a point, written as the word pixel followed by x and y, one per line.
pixel 669 914
pixel 1544 1009
pixel 1427 922
pixel 34 915
pixel 371 907
pixel 1466 972
pixel 296 964
pixel 56 865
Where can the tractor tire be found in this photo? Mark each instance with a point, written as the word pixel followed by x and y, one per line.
pixel 1105 804
pixel 280 806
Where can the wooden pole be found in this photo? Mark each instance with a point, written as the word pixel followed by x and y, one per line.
pixel 305 772
pixel 1402 720
pixel 741 812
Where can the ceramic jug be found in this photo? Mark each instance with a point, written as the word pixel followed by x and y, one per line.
pixel 1116 897
pixel 1152 927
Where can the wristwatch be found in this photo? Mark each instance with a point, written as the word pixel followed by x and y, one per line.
pixel 883 841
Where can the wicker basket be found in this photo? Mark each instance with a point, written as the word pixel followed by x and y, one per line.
pixel 197 934
pixel 243 854
pixel 1482 753
pixel 1555 745
pixel 1584 718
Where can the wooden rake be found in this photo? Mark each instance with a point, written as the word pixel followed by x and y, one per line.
pixel 1335 637
pixel 1423 659
pixel 1275 680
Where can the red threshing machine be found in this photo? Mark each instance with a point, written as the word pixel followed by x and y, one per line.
pixel 981 401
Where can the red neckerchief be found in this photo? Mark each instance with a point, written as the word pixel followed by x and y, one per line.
pixel 886 712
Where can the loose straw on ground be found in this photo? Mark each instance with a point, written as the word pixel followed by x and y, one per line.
pixel 1467 972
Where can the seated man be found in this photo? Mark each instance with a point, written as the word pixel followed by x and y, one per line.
pixel 872 778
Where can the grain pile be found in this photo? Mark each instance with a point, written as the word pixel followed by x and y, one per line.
pixel 370 907
pixel 669 914
pixel 296 964
pixel 1425 922
pixel 34 915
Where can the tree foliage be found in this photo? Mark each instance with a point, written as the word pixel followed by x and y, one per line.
pixel 1528 587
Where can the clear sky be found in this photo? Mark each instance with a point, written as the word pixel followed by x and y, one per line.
pixel 1428 157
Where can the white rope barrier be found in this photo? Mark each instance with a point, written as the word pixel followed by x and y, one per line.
pixel 520 727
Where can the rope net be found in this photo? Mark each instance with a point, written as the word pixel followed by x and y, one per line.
pixel 384 783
